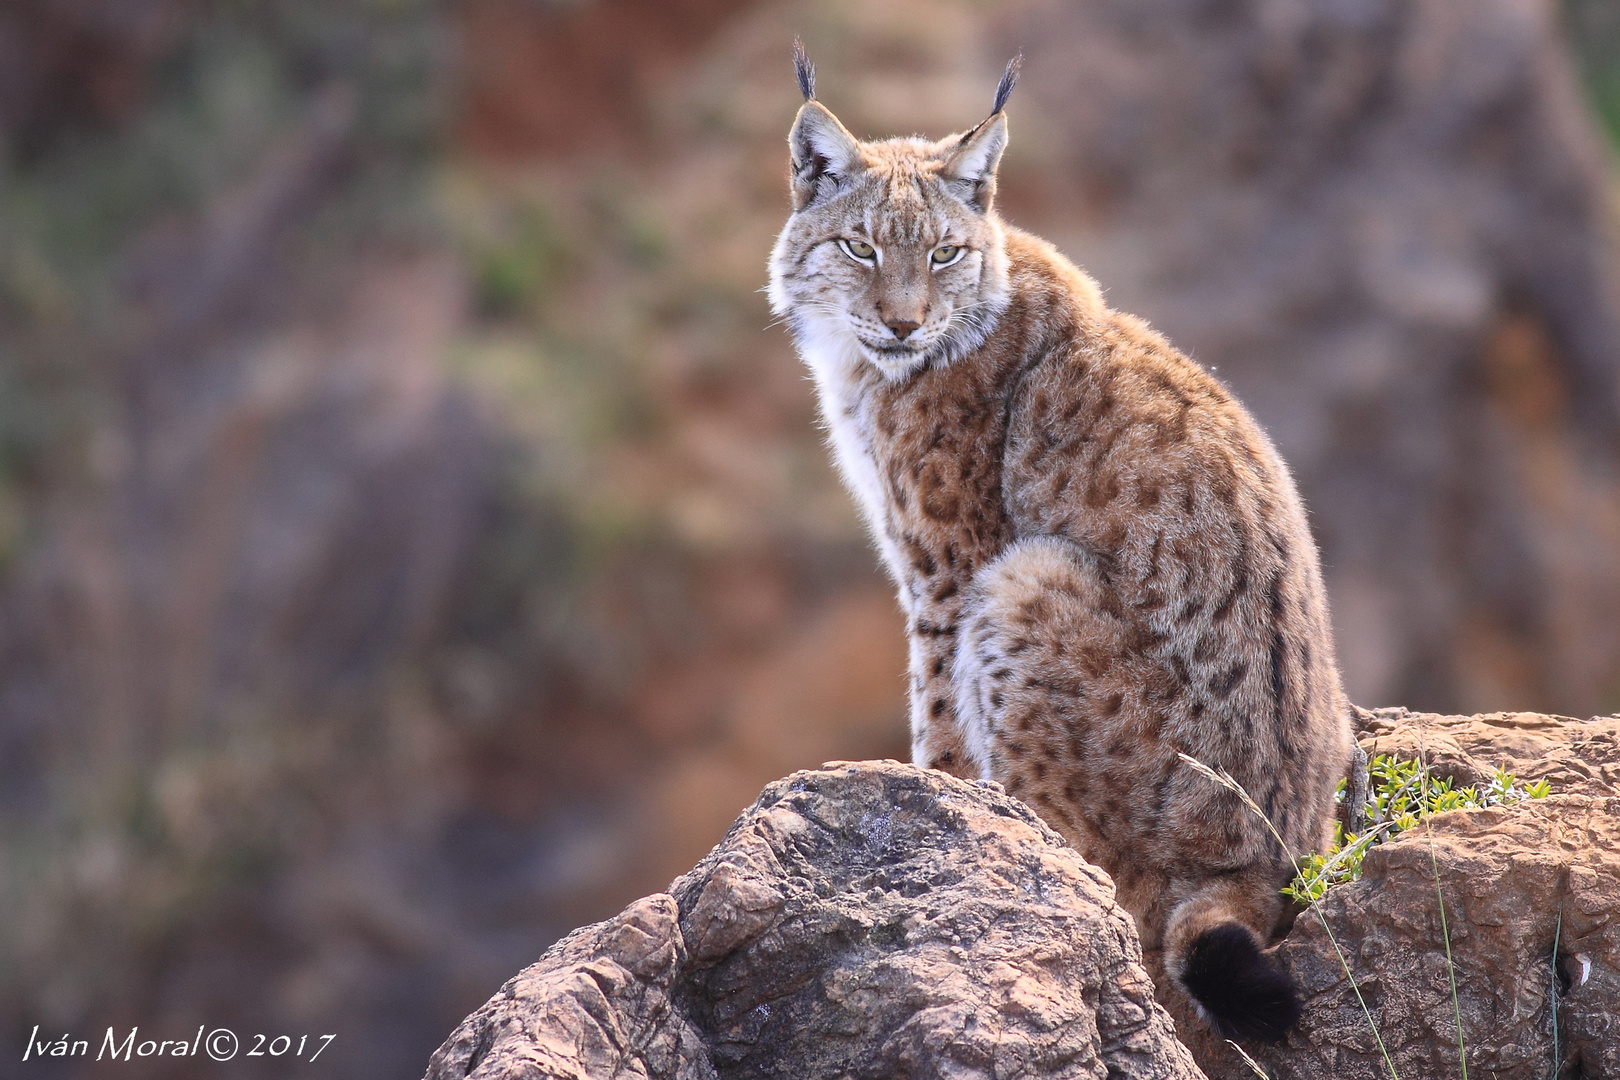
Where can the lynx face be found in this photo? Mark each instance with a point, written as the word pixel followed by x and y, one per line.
pixel 892 252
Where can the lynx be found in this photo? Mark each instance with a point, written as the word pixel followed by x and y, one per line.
pixel 1101 559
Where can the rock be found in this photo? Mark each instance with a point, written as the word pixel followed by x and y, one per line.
pixel 881 920
pixel 1575 757
pixel 1515 879
pixel 600 1003
pixel 864 920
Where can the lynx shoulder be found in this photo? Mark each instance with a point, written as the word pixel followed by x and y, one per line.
pixel 1102 561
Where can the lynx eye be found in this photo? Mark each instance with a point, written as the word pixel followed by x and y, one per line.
pixel 859 250
pixel 946 254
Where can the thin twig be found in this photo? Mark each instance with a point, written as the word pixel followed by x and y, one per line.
pixel 1357 845
pixel 1445 932
pixel 1224 779
pixel 1552 988
pixel 1253 1064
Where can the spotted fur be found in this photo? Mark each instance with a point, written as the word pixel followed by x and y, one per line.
pixel 1101 559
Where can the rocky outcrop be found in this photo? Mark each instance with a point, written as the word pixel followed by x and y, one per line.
pixel 877 919
pixel 865 920
pixel 1575 757
pixel 1515 880
pixel 1531 896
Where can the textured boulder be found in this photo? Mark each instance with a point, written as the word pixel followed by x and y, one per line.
pixel 600 1003
pixel 1575 757
pixel 867 920
pixel 1516 879
pixel 882 920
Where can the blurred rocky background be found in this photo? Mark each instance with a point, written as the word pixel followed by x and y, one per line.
pixel 415 541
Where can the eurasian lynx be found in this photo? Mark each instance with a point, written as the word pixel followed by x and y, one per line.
pixel 1101 559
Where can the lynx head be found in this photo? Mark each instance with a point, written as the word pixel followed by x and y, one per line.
pixel 893 252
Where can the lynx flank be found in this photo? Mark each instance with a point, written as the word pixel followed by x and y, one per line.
pixel 1101 559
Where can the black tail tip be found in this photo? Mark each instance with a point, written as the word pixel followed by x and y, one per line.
pixel 1241 995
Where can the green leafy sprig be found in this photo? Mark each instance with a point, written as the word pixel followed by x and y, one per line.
pixel 1398 799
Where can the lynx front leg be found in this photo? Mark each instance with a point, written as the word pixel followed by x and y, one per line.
pixel 936 737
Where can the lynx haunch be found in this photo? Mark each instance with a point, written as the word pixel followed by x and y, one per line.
pixel 1101 559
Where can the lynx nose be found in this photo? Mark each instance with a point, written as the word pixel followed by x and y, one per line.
pixel 902 327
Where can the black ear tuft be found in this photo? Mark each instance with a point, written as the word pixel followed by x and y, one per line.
pixel 805 70
pixel 1009 79
pixel 1242 995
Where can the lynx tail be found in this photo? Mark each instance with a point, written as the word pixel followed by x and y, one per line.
pixel 1238 991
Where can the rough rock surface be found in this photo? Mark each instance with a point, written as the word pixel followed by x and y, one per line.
pixel 1515 879
pixel 878 920
pixel 865 920
pixel 1575 757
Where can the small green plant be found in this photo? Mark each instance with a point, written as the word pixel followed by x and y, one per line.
pixel 1401 794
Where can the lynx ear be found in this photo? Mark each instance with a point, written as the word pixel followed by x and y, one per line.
pixel 824 154
pixel 969 169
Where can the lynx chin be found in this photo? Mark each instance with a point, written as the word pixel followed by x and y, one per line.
pixel 1101 559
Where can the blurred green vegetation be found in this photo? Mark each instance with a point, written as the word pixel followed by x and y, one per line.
pixel 1594 30
pixel 236 83
pixel 123 857
pixel 128 855
pixel 515 258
